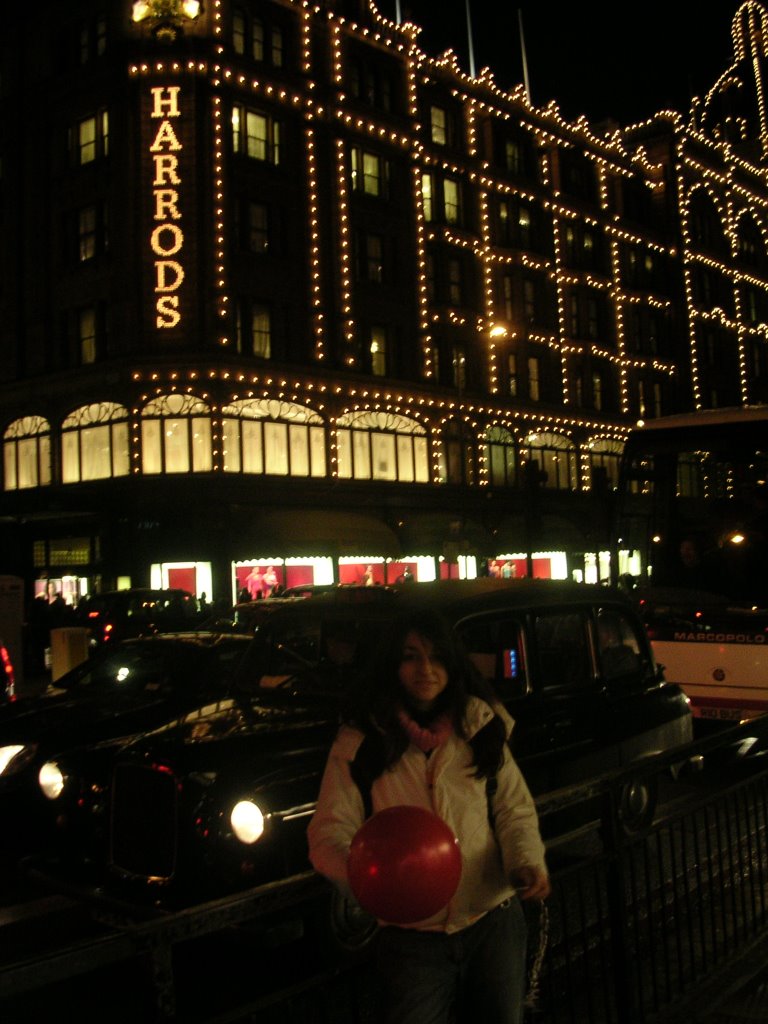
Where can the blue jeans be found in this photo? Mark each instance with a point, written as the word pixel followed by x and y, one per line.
pixel 477 974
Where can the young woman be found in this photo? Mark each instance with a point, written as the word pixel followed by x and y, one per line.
pixel 437 738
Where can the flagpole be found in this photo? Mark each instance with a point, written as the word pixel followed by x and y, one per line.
pixel 398 13
pixel 525 59
pixel 471 44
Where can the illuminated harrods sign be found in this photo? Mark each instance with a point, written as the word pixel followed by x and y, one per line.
pixel 167 237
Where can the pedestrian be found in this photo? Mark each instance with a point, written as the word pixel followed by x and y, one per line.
pixel 435 738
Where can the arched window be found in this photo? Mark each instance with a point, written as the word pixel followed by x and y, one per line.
pixel 272 436
pixel 176 435
pixel 457 454
pixel 501 457
pixel 381 446
pixel 556 457
pixel 94 443
pixel 604 458
pixel 27 453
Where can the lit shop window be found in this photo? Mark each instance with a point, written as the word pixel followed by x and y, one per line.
pixel 370 172
pixel 27 453
pixel 89 139
pixel 94 443
pixel 273 437
pixel 255 134
pixel 176 435
pixel 501 460
pixel 381 446
pixel 604 459
pixel 556 457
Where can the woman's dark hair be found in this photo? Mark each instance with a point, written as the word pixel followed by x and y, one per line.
pixel 377 702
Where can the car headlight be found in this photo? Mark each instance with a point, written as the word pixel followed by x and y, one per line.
pixel 14 757
pixel 247 821
pixel 51 780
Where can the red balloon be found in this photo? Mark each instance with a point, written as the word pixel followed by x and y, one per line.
pixel 404 864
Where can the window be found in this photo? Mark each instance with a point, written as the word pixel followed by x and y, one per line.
pixel 507 296
pixel 238 31
pixel 369 172
pixel 254 330
pixel 27 454
pixel 441 199
pixel 86 335
pixel 258 227
pixel 555 454
pixel 604 461
pixel 89 140
pixel 86 231
pixel 427 197
pixel 529 300
pixel 512 381
pixel 255 134
pixel 273 437
pixel 93 39
pixel 370 81
pixel 456 454
pixel 500 452
pixel 378 351
pixel 94 443
pixel 381 446
pixel 371 258
pixel 438 125
pixel 534 378
pixel 513 156
pixel 92 237
pixel 267 43
pixel 455 283
pixel 597 391
pixel 452 201
pixel 176 435
pixel 459 366
pixel 562 650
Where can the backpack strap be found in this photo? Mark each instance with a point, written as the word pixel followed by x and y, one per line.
pixel 366 766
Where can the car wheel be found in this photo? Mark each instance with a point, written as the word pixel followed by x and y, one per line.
pixel 342 929
pixel 637 804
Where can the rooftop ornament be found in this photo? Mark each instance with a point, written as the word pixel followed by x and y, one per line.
pixel 166 17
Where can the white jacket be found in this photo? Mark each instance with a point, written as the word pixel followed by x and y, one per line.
pixel 443 783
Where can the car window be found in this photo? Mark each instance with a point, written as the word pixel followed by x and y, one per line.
pixel 619 649
pixel 495 647
pixel 562 649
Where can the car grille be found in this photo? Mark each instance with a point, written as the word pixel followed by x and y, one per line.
pixel 143 827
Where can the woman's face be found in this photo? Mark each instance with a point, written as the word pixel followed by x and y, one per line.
pixel 422 675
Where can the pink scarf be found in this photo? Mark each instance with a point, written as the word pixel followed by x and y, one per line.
pixel 425 739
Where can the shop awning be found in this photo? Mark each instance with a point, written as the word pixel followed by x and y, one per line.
pixel 428 533
pixel 544 533
pixel 306 532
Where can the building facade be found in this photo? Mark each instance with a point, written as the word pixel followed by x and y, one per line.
pixel 285 299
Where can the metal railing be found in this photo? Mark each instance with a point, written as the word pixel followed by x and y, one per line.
pixel 637 927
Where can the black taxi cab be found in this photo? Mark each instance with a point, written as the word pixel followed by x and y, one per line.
pixel 218 798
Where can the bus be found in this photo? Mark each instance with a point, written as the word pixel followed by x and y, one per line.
pixel 691 540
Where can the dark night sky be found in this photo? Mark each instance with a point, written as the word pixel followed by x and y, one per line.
pixel 605 60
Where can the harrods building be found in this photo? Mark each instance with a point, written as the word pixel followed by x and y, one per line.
pixel 279 290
